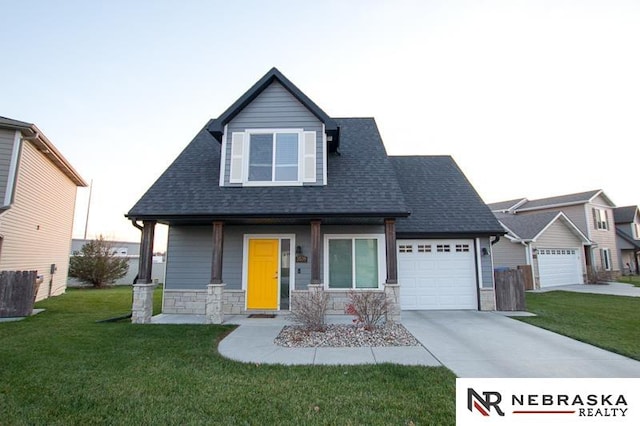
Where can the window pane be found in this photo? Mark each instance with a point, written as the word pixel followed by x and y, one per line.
pixel 286 157
pixel 340 264
pixel 260 157
pixel 366 263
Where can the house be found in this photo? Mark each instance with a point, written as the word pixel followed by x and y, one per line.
pixel 627 220
pixel 130 251
pixel 38 190
pixel 548 241
pixel 275 198
pixel 592 213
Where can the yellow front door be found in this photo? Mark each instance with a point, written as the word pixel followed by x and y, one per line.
pixel 262 276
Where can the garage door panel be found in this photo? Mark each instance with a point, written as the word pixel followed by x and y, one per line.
pixel 559 267
pixel 437 274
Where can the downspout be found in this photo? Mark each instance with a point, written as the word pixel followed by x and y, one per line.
pixel 130 314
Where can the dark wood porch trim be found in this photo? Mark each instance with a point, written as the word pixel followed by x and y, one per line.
pixel 216 260
pixel 392 258
pixel 315 252
pixel 146 252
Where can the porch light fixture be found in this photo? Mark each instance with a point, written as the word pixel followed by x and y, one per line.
pixel 298 250
pixel 485 251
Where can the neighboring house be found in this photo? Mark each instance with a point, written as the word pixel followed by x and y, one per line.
pixel 38 193
pixel 127 249
pixel 592 213
pixel 627 221
pixel 548 241
pixel 274 199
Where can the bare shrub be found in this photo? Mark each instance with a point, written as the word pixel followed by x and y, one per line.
pixel 370 308
pixel 309 310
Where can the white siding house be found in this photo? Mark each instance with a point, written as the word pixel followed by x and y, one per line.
pixel 38 193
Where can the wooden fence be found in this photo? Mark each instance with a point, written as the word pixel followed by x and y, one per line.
pixel 510 285
pixel 17 293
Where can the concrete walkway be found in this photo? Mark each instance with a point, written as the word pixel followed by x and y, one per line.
pixel 612 288
pixel 470 343
pixel 253 342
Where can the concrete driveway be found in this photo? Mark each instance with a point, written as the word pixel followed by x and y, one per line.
pixel 612 288
pixel 488 344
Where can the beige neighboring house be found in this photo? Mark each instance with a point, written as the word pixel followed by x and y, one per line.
pixel 38 193
pixel 592 213
pixel 548 241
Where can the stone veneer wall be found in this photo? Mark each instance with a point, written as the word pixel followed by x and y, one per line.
pixel 487 299
pixel 337 300
pixel 194 302
pixel 233 302
pixel 184 302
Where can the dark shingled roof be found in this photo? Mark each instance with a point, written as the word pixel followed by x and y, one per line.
pixel 361 183
pixel 442 200
pixel 569 199
pixel 625 214
pixel 527 226
pixel 504 205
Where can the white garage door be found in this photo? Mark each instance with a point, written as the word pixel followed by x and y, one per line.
pixel 437 274
pixel 559 267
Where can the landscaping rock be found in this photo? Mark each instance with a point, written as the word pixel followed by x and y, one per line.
pixel 343 335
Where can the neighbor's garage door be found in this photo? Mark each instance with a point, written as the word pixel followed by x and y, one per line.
pixel 437 274
pixel 559 267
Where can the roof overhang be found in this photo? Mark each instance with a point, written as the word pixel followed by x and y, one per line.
pixel 31 133
pixel 216 126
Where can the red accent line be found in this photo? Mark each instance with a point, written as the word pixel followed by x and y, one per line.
pixel 544 412
pixel 479 408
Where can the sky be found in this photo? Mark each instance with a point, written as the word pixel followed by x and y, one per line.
pixel 531 98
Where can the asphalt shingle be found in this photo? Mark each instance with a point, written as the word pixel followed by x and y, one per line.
pixel 442 200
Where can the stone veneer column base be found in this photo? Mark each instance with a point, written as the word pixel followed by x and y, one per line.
pixel 487 299
pixel 392 293
pixel 142 307
pixel 213 308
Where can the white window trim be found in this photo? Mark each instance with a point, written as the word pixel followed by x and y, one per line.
pixel 292 261
pixel 606 259
pixel 246 150
pixel 382 262
pixel 603 219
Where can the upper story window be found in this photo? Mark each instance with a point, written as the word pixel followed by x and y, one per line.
pixel 273 157
pixel 636 230
pixel 264 157
pixel 600 219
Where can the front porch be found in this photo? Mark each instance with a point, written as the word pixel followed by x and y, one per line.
pixel 212 303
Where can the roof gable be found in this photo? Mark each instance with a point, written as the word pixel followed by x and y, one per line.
pixel 216 126
pixel 530 227
pixel 504 206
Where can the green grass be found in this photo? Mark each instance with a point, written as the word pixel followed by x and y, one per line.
pixel 62 367
pixel 630 279
pixel 610 322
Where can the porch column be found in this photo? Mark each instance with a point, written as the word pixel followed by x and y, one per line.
pixel 315 252
pixel 392 259
pixel 391 286
pixel 142 307
pixel 214 303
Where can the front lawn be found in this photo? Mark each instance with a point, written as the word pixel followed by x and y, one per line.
pixel 610 322
pixel 61 367
pixel 630 279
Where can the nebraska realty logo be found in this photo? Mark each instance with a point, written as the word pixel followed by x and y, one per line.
pixel 552 401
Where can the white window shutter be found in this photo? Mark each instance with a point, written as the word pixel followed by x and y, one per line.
pixel 236 161
pixel 309 157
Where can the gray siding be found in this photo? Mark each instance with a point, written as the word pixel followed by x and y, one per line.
pixel 6 151
pixel 486 266
pixel 189 250
pixel 508 255
pixel 276 108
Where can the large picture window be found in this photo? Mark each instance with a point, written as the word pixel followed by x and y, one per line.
pixel 353 262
